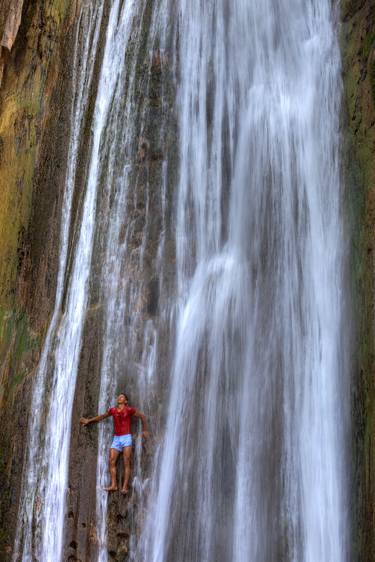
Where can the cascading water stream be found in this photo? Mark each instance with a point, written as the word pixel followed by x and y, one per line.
pixel 252 463
pixel 114 283
pixel 130 348
pixel 67 350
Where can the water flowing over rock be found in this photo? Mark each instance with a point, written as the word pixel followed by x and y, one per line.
pixel 201 269
pixel 252 450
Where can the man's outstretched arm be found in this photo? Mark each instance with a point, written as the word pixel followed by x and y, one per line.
pixel 86 421
pixel 138 414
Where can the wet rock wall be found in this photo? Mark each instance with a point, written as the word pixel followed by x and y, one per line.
pixel 151 157
pixel 358 51
pixel 35 59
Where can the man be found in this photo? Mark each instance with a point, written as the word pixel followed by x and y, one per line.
pixel 122 439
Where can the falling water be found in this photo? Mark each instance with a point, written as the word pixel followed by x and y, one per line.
pixel 244 344
pixel 134 231
pixel 251 467
pixel 119 292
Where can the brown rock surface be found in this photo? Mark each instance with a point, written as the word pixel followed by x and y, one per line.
pixel 358 48
pixel 34 108
pixel 12 23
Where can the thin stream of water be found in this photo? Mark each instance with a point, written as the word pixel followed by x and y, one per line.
pixel 29 513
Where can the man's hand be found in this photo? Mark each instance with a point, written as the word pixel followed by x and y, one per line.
pixel 86 421
pixel 145 434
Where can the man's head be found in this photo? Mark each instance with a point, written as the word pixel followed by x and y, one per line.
pixel 122 399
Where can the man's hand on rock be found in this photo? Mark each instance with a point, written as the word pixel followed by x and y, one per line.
pixel 83 421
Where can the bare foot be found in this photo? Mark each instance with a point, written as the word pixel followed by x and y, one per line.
pixel 110 489
pixel 124 491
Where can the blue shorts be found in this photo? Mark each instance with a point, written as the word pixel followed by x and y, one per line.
pixel 121 441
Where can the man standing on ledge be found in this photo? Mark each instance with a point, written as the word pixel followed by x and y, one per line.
pixel 122 439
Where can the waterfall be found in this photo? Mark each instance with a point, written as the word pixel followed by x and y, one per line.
pixel 252 461
pixel 211 227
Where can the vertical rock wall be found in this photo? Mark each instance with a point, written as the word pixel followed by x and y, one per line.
pixel 35 58
pixel 152 154
pixel 358 48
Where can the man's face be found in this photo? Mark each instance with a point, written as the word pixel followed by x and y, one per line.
pixel 121 399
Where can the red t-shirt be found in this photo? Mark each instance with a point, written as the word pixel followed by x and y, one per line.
pixel 122 419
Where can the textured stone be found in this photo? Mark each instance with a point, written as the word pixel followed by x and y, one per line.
pixel 34 106
pixel 12 24
pixel 358 49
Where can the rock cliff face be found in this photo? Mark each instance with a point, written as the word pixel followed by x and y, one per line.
pixel 34 108
pixel 358 48
pixel 35 97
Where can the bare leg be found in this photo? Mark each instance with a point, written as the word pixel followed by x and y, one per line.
pixel 127 454
pixel 113 456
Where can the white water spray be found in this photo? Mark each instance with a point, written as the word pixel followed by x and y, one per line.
pixel 252 465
